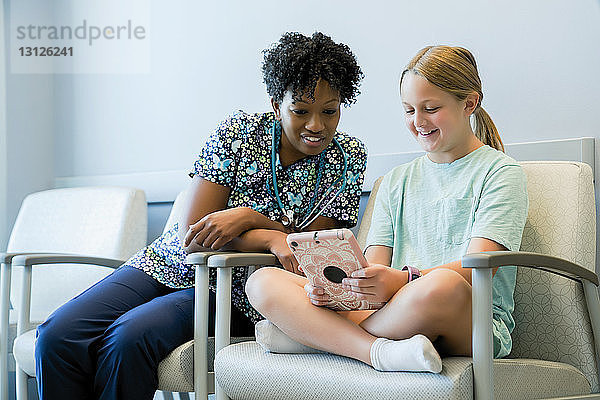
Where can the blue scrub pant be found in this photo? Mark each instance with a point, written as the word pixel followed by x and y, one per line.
pixel 107 342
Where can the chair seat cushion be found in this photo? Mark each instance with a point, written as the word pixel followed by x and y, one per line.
pixel 314 376
pixel 176 370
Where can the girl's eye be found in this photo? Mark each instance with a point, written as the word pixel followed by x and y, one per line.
pixel 330 112
pixel 409 112
pixel 299 112
pixel 432 109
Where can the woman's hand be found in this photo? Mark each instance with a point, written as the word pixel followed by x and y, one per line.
pixel 376 283
pixel 218 228
pixel 279 247
pixel 316 295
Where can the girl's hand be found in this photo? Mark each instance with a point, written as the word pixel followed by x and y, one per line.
pixel 218 228
pixel 376 283
pixel 278 246
pixel 316 295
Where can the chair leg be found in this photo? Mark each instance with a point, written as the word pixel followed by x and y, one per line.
pixel 4 311
pixel 201 332
pixel 223 318
pixel 593 304
pixel 21 382
pixel 483 347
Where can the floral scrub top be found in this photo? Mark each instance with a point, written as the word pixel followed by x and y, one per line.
pixel 238 155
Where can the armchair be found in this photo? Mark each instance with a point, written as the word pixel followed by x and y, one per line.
pixel 557 310
pixel 204 381
pixel 57 231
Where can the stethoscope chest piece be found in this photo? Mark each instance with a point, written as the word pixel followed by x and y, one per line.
pixel 287 218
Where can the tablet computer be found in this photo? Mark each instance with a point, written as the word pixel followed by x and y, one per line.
pixel 326 257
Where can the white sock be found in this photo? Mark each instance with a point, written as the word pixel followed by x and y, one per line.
pixel 414 354
pixel 272 339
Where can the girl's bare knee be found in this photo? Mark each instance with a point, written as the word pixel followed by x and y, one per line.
pixel 439 295
pixel 259 286
pixel 444 287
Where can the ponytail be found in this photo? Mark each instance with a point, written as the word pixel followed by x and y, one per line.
pixel 486 131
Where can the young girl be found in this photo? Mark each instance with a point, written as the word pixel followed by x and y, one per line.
pixel 259 176
pixel 464 196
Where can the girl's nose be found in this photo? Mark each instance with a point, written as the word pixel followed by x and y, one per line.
pixel 315 124
pixel 419 121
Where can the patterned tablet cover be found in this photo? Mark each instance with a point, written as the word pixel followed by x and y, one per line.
pixel 327 258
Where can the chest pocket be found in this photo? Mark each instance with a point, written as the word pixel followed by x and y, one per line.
pixel 456 220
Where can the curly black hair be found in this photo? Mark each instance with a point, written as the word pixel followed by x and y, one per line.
pixel 297 62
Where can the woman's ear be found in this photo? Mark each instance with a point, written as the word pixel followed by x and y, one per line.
pixel 276 109
pixel 471 103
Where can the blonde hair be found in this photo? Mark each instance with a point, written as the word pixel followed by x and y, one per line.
pixel 454 70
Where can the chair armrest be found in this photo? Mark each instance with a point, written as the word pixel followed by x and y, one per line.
pixel 482 263
pixel 199 258
pixel 228 260
pixel 49 258
pixel 556 265
pixel 6 258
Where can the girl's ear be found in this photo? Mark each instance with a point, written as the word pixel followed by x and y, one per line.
pixel 471 103
pixel 276 109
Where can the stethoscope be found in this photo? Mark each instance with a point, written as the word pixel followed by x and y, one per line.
pixel 287 218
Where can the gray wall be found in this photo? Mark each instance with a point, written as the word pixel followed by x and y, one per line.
pixel 3 153
pixel 28 153
pixel 538 61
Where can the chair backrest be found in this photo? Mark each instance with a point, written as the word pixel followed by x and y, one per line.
pixel 365 221
pixel 176 210
pixel 107 222
pixel 552 321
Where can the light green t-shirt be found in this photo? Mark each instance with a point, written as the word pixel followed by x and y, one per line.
pixel 427 213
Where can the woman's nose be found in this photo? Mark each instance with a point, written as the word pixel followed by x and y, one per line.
pixel 315 124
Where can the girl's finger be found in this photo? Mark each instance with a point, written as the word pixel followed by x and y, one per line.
pixel 365 296
pixel 308 288
pixel 319 297
pixel 358 282
pixel 314 290
pixel 319 303
pixel 357 290
pixel 367 272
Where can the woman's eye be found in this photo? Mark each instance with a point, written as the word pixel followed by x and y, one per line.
pixel 432 109
pixel 330 112
pixel 409 112
pixel 299 112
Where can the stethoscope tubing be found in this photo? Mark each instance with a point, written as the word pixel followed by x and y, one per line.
pixel 309 218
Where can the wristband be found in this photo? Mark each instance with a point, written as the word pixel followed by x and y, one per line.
pixel 413 273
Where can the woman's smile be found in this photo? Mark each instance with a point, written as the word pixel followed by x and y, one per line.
pixel 313 141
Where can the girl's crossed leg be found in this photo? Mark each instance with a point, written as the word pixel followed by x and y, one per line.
pixel 438 305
